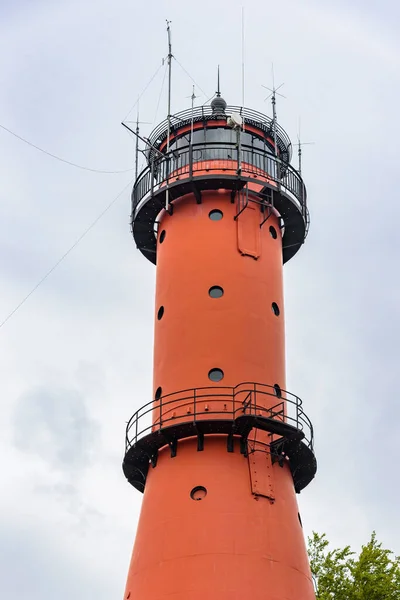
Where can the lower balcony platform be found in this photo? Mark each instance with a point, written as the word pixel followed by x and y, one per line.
pixel 232 412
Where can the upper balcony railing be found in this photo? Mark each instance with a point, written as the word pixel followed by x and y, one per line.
pixel 218 158
pixel 205 113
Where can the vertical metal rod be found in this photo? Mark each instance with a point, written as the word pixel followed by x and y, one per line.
pixel 239 150
pixel 137 146
pixel 169 108
pixel 193 96
pixel 191 124
pixel 299 155
pixel 169 83
pixel 243 84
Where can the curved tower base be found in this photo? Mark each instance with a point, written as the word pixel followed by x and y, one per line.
pixel 226 542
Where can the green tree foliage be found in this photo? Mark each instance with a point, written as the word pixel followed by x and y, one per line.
pixel 339 575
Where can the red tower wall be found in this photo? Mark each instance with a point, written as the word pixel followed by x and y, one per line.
pixel 244 538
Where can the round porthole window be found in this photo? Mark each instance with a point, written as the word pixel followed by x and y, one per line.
pixel 198 493
pixel 275 309
pixel 216 215
pixel 216 291
pixel 215 375
pixel 162 236
pixel 160 313
pixel 158 393
pixel 272 232
pixel 277 391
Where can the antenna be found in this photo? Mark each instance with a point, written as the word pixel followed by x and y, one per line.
pixel 169 82
pixel 218 86
pixel 143 139
pixel 137 144
pixel 272 95
pixel 193 98
pixel 300 144
pixel 136 133
pixel 169 105
pixel 243 81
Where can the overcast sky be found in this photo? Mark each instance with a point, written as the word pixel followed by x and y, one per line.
pixel 76 359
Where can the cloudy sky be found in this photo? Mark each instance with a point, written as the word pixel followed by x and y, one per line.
pixel 76 357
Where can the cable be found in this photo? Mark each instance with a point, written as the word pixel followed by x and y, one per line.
pixel 74 245
pixel 190 77
pixel 208 100
pixel 68 162
pixel 144 90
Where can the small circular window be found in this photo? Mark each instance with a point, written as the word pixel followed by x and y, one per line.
pixel 216 215
pixel 216 375
pixel 198 493
pixel 160 313
pixel 277 391
pixel 216 291
pixel 272 232
pixel 275 309
pixel 162 236
pixel 158 393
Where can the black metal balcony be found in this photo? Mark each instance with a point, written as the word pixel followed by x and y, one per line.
pixel 234 412
pixel 198 167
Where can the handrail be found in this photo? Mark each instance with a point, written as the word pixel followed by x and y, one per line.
pixel 189 161
pixel 288 409
pixel 206 112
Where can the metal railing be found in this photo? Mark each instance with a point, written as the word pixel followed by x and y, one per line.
pixel 219 403
pixel 204 159
pixel 205 113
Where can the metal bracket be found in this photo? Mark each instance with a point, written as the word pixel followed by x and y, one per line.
pixel 245 203
pixel 230 443
pixel 277 454
pixel 197 194
pixel 269 212
pixel 153 459
pixel 174 447
pixel 200 442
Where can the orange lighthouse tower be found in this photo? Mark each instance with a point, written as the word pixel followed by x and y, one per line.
pixel 221 449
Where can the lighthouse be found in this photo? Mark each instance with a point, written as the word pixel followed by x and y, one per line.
pixel 221 449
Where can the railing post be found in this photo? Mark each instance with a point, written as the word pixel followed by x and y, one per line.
pixel 160 412
pixel 194 404
pixel 190 161
pixel 152 176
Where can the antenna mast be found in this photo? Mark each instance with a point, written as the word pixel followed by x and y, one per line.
pixel 169 83
pixel 299 149
pixel 193 97
pixel 273 94
pixel 137 146
pixel 273 101
pixel 169 109
pixel 243 66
